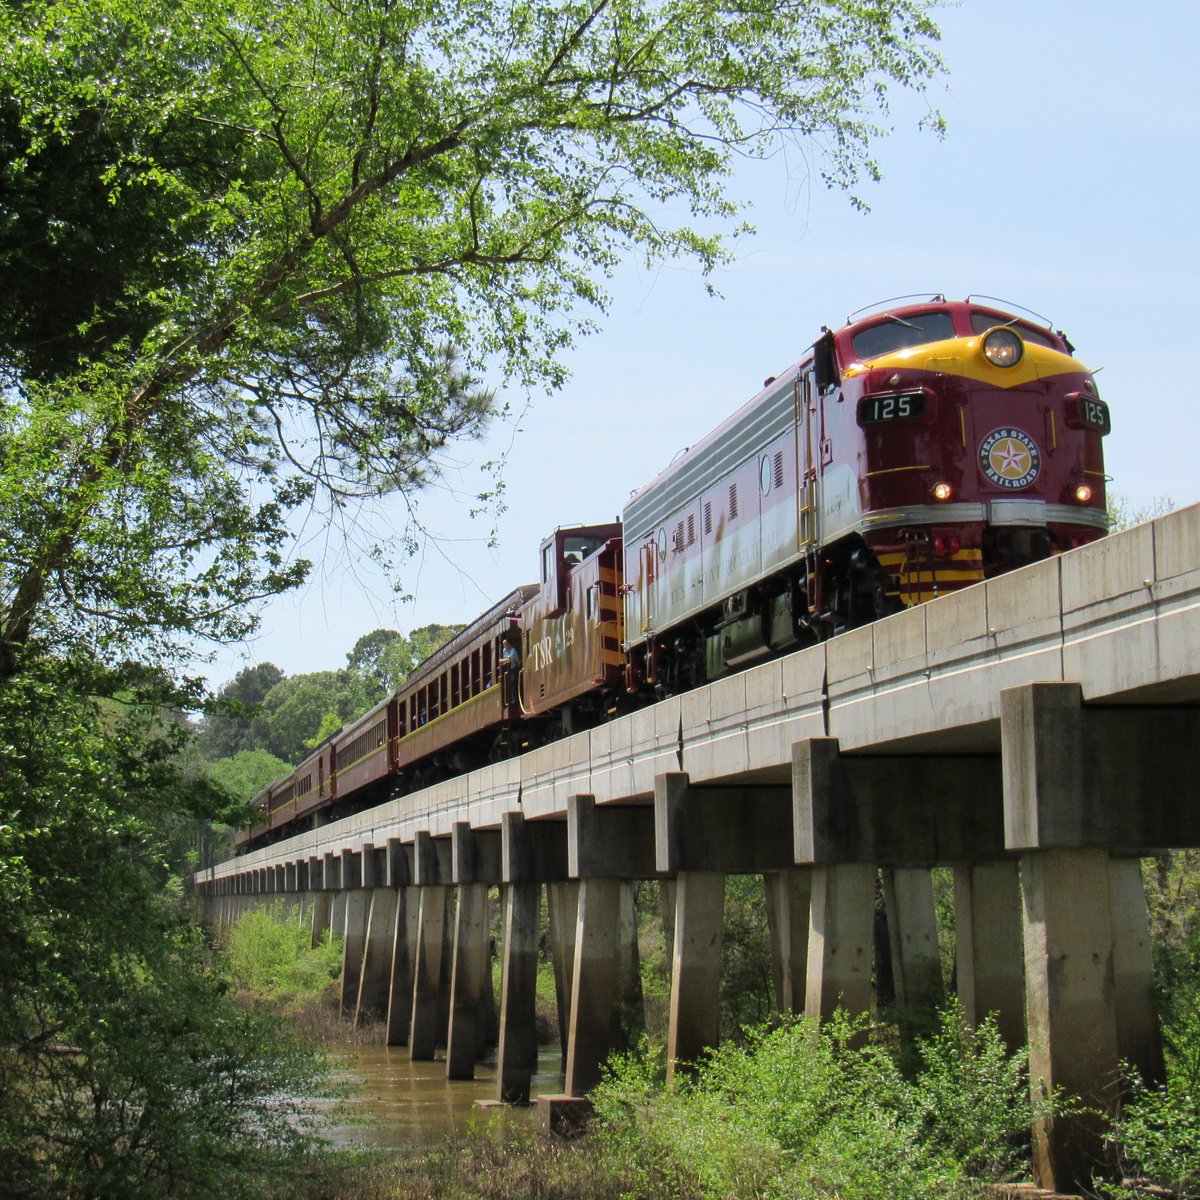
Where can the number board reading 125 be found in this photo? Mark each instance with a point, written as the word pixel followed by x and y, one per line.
pixel 874 409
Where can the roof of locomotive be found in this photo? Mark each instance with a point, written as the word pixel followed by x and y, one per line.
pixel 773 390
pixel 960 312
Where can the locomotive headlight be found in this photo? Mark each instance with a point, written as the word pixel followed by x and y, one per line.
pixel 1002 347
pixel 1083 493
pixel 942 491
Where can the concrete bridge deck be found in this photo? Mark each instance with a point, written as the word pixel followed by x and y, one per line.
pixel 1035 732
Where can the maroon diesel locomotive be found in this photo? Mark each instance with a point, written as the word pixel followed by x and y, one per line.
pixel 922 447
pixel 918 449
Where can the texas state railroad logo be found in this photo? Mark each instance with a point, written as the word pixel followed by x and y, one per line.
pixel 1009 458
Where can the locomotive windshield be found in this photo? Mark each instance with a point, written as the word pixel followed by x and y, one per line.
pixel 981 322
pixel 576 549
pixel 898 333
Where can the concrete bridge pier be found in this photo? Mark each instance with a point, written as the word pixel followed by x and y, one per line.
pixel 431 967
pixel 606 847
pixel 988 946
pixel 532 853
pixel 322 906
pixel 1080 786
pixel 337 898
pixel 304 894
pixel 562 907
pixel 475 867
pixel 841 940
pixel 374 982
pixel 913 937
pixel 404 941
pixel 701 835
pixel 595 989
pixel 789 899
pixel 355 909
pixel 904 813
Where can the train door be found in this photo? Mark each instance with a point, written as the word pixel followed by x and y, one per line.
pixel 807 475
pixel 808 489
pixel 647 578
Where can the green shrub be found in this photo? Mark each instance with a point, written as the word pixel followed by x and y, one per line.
pixel 270 957
pixel 1157 1136
pixel 799 1111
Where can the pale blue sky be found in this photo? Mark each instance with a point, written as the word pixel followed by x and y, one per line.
pixel 1068 182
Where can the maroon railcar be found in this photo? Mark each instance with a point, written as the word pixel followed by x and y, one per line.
pixel 572 667
pixel 363 751
pixel 454 711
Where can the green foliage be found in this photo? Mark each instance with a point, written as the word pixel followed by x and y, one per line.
pixel 747 979
pixel 263 716
pixel 285 241
pixel 247 772
pixel 126 1069
pixel 382 660
pixel 1157 1135
pixel 294 710
pixel 228 717
pixel 270 957
pixel 801 1112
pixel 1123 511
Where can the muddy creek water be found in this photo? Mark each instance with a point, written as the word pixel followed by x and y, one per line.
pixel 409 1107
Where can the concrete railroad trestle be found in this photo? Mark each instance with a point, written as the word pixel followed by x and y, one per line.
pixel 1037 733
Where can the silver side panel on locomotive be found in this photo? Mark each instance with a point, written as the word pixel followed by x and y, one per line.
pixel 747 501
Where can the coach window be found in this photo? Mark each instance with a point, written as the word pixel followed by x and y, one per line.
pixel 897 333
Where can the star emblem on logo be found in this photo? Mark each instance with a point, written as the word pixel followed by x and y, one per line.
pixel 1010 458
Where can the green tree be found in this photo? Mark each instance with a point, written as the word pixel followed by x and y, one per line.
pixel 279 216
pixel 248 771
pixel 228 725
pixel 382 660
pixel 294 710
pixel 125 1068
pixel 402 656
pixel 366 683
pixel 1124 511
